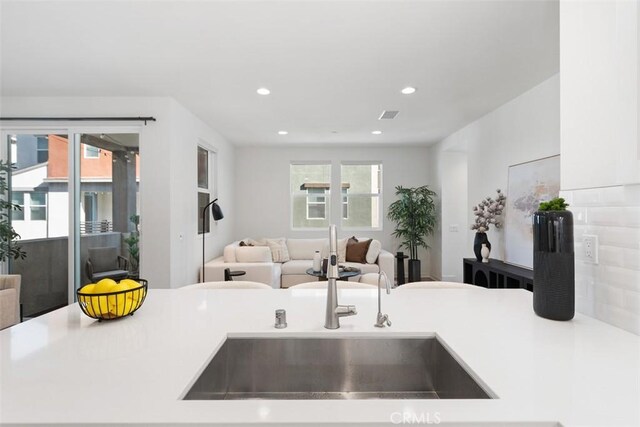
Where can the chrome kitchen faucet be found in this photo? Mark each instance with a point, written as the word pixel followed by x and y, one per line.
pixel 334 310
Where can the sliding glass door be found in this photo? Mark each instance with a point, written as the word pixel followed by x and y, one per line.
pixel 109 213
pixel 39 185
pixel 78 194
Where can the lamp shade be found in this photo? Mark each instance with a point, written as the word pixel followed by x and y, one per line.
pixel 216 212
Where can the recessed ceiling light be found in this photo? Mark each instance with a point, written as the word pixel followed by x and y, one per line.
pixel 408 90
pixel 263 91
pixel 377 132
pixel 283 132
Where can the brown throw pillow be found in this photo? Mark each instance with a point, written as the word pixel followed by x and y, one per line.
pixel 357 251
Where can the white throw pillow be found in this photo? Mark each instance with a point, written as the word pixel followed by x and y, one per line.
pixel 253 254
pixel 342 250
pixel 374 251
pixel 279 251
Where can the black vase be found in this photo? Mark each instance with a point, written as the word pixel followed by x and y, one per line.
pixel 414 271
pixel 477 244
pixel 553 265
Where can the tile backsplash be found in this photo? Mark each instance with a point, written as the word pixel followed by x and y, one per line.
pixel 610 289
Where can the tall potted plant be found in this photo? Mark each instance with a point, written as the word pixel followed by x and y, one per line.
pixel 133 241
pixel 9 248
pixel 415 216
pixel 553 261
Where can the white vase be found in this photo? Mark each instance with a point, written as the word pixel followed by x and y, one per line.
pixel 317 261
pixel 485 251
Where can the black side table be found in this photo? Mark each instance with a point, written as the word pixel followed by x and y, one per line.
pixel 229 275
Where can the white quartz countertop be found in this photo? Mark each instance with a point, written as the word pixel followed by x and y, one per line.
pixel 66 368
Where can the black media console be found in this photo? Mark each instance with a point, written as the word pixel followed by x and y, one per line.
pixel 496 274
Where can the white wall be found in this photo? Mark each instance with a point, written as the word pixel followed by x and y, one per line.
pixel 262 185
pixel 454 214
pixel 600 112
pixel 169 239
pixel 186 246
pixel 526 128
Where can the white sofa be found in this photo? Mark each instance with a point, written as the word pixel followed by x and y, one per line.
pixel 257 262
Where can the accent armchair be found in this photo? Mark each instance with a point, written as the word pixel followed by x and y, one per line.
pixel 9 300
pixel 106 263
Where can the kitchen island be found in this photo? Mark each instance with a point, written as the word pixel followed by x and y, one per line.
pixel 64 368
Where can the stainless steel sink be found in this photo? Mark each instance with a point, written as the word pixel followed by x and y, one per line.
pixel 334 368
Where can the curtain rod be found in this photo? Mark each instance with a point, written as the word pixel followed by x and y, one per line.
pixel 82 119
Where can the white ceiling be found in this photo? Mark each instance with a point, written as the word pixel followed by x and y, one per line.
pixel 330 65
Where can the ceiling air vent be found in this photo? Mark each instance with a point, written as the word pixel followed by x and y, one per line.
pixel 388 114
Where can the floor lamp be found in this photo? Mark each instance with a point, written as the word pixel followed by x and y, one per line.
pixel 217 215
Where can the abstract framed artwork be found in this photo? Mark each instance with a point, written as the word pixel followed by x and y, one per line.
pixel 529 184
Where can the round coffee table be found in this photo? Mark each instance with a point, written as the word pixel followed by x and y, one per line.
pixel 344 275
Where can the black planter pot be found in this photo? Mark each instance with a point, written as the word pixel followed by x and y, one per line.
pixel 414 271
pixel 477 244
pixel 553 265
pixel 400 257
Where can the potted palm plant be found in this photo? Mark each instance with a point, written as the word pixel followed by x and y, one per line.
pixel 9 248
pixel 415 216
pixel 133 241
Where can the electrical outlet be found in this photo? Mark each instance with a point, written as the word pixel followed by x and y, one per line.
pixel 590 245
pixel 453 228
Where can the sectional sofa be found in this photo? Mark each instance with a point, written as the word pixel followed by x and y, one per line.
pixel 260 259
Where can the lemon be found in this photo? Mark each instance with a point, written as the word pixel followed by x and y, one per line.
pixel 121 304
pixel 130 283
pixel 100 304
pixel 137 291
pixel 86 300
pixel 88 289
pixel 104 286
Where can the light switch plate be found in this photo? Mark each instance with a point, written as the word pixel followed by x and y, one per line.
pixel 453 228
pixel 590 245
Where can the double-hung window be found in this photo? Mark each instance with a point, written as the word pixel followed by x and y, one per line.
pixel 345 201
pixel 310 189
pixel 361 195
pixel 33 205
pixel 206 163
pixel 317 202
pixel 17 198
pixel 38 206
pixel 42 149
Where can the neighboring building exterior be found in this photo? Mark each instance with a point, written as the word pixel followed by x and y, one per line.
pixel 359 199
pixel 39 184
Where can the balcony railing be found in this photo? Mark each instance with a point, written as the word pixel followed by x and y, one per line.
pixel 92 227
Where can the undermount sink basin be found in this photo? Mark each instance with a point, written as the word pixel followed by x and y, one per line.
pixel 334 368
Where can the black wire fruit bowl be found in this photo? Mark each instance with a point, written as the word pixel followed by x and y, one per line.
pixel 113 305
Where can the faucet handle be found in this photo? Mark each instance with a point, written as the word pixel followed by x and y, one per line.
pixel 382 320
pixel 346 310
